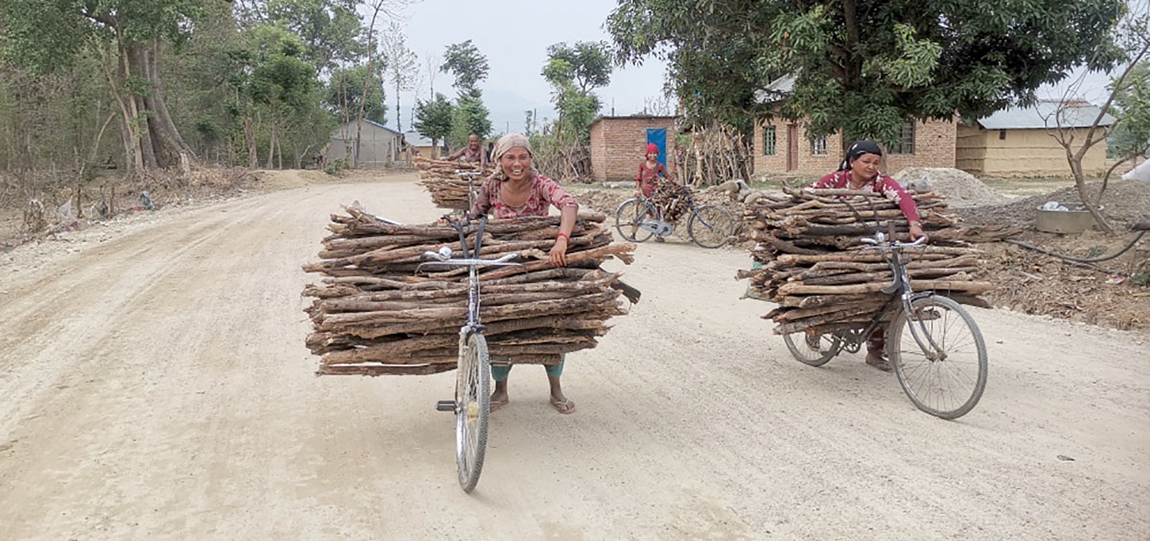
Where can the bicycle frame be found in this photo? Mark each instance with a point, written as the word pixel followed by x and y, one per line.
pixel 900 285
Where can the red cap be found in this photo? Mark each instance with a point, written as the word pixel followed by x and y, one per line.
pixel 652 147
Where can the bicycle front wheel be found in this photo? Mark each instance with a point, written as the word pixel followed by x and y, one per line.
pixel 711 226
pixel 813 349
pixel 944 371
pixel 472 406
pixel 630 216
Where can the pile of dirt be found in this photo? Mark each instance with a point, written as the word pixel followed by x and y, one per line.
pixel 1123 202
pixel 960 188
pixel 1115 293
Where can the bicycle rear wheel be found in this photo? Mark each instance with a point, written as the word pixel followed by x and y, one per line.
pixel 472 406
pixel 946 376
pixel 711 226
pixel 630 216
pixel 814 350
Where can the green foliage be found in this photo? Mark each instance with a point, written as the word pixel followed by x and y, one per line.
pixel 1132 107
pixel 587 64
pixel 433 118
pixel 344 92
pixel 869 69
pixel 335 167
pixel 467 65
pixel 469 116
pixel 328 28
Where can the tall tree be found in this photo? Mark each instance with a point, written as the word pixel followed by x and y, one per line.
pixel 865 67
pixel 470 116
pixel 467 65
pixel 588 64
pixel 49 35
pixel 329 29
pixel 401 65
pixel 433 118
pixel 345 90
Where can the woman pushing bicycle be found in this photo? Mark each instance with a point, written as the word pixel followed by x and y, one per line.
pixel 859 171
pixel 517 190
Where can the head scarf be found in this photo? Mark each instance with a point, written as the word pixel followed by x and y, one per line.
pixel 505 143
pixel 858 148
pixel 652 147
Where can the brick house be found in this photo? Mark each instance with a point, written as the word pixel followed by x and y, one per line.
pixel 618 142
pixel 782 146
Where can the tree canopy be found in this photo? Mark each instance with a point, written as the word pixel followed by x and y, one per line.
pixel 433 118
pixel 864 67
pixel 469 67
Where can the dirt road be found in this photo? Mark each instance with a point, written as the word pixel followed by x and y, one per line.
pixel 155 386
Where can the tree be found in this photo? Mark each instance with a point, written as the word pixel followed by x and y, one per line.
pixel 328 28
pixel 400 65
pixel 573 73
pixel 433 119
pixel 50 35
pixel 470 116
pixel 467 65
pixel 588 64
pixel 864 67
pixel 1128 89
pixel 346 89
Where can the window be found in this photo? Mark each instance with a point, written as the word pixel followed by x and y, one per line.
pixel 768 140
pixel 819 146
pixel 905 144
pixel 1002 135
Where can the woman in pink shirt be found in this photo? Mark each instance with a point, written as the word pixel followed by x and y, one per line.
pixel 859 171
pixel 517 190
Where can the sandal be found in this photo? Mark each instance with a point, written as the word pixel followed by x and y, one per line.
pixel 496 404
pixel 878 360
pixel 565 406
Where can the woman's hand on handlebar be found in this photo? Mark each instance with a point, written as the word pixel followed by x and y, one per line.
pixel 916 231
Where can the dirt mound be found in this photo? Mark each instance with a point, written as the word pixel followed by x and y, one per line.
pixel 961 188
pixel 1124 201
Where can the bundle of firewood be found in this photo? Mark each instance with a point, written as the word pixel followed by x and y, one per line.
pixel 811 261
pixel 373 314
pixel 672 199
pixel 448 189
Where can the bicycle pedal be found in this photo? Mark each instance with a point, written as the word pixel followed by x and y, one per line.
pixel 445 405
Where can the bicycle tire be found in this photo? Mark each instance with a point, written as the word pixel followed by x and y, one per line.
pixel 801 350
pixel 630 214
pixel 923 380
pixel 711 226
pixel 472 408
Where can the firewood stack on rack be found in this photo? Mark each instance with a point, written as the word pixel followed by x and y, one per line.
pixel 812 262
pixel 448 189
pixel 372 315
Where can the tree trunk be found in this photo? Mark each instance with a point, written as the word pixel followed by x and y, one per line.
pixel 272 148
pixel 250 138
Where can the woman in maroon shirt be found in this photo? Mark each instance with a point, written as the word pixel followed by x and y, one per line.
pixel 649 172
pixel 517 190
pixel 859 171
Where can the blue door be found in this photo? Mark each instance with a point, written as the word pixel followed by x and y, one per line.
pixel 659 137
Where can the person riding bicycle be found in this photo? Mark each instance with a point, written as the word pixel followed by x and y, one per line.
pixel 517 190
pixel 859 170
pixel 472 153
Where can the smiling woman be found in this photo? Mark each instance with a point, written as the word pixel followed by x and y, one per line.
pixel 517 190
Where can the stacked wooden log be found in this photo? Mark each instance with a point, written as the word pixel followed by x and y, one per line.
pixel 672 199
pixel 448 189
pixel 812 262
pixel 372 315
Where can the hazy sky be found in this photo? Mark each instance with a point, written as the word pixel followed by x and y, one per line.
pixel 514 35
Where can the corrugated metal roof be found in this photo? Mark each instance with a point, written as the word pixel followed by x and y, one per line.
pixel 1045 114
pixel 776 91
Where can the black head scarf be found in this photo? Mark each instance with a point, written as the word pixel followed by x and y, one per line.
pixel 858 148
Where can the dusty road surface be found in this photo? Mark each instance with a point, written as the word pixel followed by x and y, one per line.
pixel 155 386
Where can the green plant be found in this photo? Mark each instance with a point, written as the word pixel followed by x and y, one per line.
pixel 335 166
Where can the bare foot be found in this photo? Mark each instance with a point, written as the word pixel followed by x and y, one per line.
pixel 499 399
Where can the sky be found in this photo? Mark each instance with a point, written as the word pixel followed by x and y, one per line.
pixel 514 35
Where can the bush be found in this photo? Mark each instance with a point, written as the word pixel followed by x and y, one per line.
pixel 335 166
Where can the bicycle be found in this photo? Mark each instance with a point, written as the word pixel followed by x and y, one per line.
pixel 472 404
pixel 709 226
pixel 936 354
pixel 472 189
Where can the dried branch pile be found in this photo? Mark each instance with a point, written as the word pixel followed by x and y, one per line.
pixel 714 155
pixel 372 315
pixel 448 190
pixel 815 266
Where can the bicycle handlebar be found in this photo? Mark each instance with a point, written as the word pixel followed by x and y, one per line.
pixel 443 256
pixel 879 239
